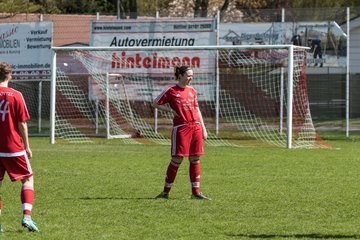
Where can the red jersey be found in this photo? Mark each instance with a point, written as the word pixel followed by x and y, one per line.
pixel 12 111
pixel 183 101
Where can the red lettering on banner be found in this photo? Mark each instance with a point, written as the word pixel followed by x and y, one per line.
pixel 146 62
pixel 154 60
pixel 164 62
pixel 124 61
pixel 176 61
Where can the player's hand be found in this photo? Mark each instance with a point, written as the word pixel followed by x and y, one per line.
pixel 205 134
pixel 28 152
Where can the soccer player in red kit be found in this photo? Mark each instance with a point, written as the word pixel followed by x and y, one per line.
pixel 188 130
pixel 15 150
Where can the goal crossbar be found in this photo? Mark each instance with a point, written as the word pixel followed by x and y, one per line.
pixel 179 48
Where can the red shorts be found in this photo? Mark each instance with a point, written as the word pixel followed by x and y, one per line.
pixel 18 167
pixel 187 140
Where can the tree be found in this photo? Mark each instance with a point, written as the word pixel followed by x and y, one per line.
pixel 325 3
pixel 184 8
pixel 46 6
pixel 181 8
pixel 79 6
pixel 201 8
pixel 133 9
pixel 18 6
pixel 127 8
pixel 305 10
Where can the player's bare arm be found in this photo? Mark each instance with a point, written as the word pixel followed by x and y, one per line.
pixel 25 137
pixel 205 134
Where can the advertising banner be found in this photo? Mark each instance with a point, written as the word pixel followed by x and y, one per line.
pixel 159 65
pixel 27 47
pixel 326 40
pixel 154 32
pixel 247 33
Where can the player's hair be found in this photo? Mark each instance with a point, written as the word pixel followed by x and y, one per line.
pixel 181 70
pixel 5 70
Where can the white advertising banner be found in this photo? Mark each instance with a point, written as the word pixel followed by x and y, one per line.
pixel 159 65
pixel 155 32
pixel 27 47
pixel 247 34
pixel 326 40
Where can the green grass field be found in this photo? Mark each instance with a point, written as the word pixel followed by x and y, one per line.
pixel 106 191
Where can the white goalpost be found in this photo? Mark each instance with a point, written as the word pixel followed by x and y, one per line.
pixel 248 95
pixel 114 89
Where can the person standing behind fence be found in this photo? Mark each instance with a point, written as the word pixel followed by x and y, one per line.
pixel 15 149
pixel 188 130
pixel 297 39
pixel 317 51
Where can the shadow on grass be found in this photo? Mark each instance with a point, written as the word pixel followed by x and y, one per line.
pixel 300 236
pixel 122 198
pixel 110 198
pixel 126 198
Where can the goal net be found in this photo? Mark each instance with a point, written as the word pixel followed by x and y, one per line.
pixel 248 95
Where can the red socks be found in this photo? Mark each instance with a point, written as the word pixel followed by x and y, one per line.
pixel 170 175
pixel 27 199
pixel 194 171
